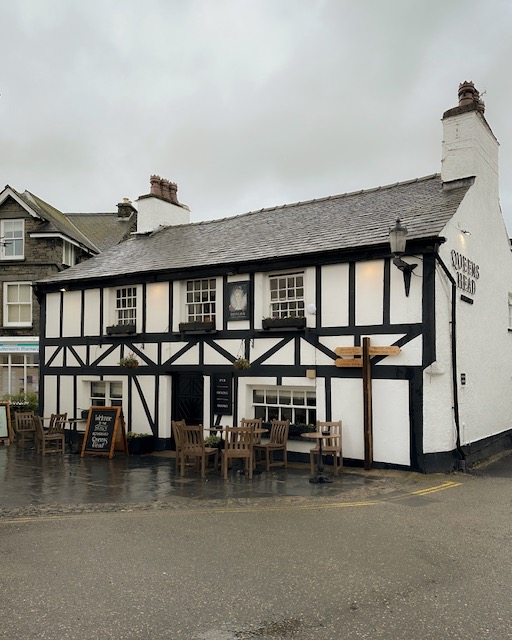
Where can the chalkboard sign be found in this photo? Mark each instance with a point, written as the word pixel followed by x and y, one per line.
pixel 5 422
pixel 105 432
pixel 223 394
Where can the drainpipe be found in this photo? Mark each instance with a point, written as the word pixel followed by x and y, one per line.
pixel 462 455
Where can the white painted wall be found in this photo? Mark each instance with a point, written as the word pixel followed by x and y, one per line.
pixel 52 328
pixel 154 213
pixel 335 295
pixel 92 312
pixel 484 344
pixel 72 313
pixel 157 311
pixel 369 292
pixel 391 431
pixel 406 309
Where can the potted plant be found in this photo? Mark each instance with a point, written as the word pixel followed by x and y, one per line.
pixel 213 442
pixel 242 363
pixel 140 443
pixel 129 361
pixel 289 322
pixel 121 329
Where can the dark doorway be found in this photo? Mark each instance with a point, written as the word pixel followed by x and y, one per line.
pixel 188 398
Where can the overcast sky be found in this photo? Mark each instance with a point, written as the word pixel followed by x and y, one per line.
pixel 244 103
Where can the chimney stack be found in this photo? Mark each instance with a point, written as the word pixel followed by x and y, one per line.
pixel 470 148
pixel 125 208
pixel 161 208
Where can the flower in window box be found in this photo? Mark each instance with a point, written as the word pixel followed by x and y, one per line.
pixel 129 361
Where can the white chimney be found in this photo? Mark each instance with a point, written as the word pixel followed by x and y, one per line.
pixel 469 146
pixel 160 208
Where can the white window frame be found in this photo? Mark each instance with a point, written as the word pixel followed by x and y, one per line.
pixel 201 299
pixel 125 303
pixel 68 253
pixel 11 304
pixel 286 295
pixel 12 238
pixel 285 403
pixel 110 395
pixel 510 311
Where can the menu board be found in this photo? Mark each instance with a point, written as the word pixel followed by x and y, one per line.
pixel 223 394
pixel 5 421
pixel 105 429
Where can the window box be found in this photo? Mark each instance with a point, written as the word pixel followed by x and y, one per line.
pixel 120 329
pixel 292 322
pixel 197 327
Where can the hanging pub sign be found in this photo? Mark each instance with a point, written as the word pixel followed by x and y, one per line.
pixel 237 301
pixel 105 432
pixel 223 394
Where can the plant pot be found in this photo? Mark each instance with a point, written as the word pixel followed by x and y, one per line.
pixel 198 327
pixel 284 323
pixel 130 365
pixel 120 329
pixel 141 445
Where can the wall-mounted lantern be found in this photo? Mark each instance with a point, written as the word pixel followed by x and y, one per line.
pixel 397 241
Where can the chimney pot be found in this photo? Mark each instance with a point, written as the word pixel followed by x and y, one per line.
pixel 173 192
pixel 156 190
pixel 165 189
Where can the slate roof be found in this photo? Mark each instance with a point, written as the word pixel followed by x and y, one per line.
pixel 104 229
pixel 54 220
pixel 336 223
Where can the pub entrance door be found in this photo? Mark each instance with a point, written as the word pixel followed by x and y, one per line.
pixel 188 397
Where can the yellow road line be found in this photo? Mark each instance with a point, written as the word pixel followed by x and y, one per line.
pixel 439 487
pixel 233 509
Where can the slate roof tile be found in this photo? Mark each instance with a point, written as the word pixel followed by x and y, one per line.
pixel 348 221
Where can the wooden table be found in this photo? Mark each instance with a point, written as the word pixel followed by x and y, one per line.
pixel 320 477
pixel 255 431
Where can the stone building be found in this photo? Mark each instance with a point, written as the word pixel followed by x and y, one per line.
pixel 37 240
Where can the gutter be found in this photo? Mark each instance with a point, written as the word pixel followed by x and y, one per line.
pixel 462 455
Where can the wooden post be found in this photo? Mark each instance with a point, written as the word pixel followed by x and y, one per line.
pixel 367 395
pixel 363 359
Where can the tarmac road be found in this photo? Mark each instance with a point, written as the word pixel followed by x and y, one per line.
pixel 430 562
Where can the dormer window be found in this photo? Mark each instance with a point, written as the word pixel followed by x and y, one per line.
pixel 12 239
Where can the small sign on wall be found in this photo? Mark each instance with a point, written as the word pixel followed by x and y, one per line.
pixel 223 394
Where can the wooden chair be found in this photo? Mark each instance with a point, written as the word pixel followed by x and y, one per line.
pixel 278 442
pixel 238 444
pixel 24 426
pixel 192 446
pixel 176 425
pixel 48 441
pixel 253 423
pixel 57 422
pixel 331 445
